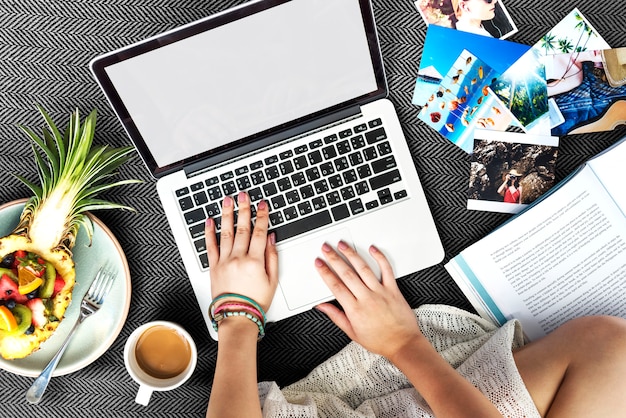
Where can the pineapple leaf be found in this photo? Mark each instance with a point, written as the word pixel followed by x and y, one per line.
pixel 32 186
pixel 72 171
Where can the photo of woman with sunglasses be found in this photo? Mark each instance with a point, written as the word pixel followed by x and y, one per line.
pixel 483 17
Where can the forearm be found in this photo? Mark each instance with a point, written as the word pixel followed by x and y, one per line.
pixel 234 392
pixel 445 390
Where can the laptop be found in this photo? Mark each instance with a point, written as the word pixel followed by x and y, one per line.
pixel 284 99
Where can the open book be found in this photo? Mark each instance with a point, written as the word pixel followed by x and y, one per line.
pixel 563 257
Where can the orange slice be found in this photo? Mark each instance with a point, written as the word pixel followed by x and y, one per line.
pixel 27 281
pixel 7 320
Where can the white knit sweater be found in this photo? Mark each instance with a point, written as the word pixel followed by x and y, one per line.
pixel 355 383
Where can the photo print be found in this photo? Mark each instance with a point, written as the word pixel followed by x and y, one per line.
pixel 443 45
pixel 509 170
pixel 589 89
pixel 463 102
pixel 483 17
pixel 523 90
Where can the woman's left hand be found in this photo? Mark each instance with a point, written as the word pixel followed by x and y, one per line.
pixel 246 261
pixel 375 313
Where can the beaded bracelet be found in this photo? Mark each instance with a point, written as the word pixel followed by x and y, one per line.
pixel 236 296
pixel 224 313
pixel 232 307
pixel 241 306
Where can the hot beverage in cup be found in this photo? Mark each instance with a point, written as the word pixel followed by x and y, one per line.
pixel 162 352
pixel 160 356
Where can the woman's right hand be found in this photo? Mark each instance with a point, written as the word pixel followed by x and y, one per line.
pixel 246 261
pixel 375 313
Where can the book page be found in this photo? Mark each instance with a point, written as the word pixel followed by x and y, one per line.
pixel 561 259
pixel 609 167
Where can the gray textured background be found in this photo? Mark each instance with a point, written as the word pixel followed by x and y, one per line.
pixel 45 47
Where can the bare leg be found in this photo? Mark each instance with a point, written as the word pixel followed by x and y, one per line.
pixel 579 369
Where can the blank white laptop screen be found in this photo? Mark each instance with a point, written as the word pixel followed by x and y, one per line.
pixel 256 73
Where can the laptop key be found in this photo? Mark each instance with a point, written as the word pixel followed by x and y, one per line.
pixel 182 192
pixel 340 212
pixel 376 135
pixel 374 123
pixel 195 216
pixel 384 164
pixel 315 157
pixel 278 202
pixel 197 186
pixel 271 160
pixel 304 208
pixel 255 194
pixel 356 206
pixel 243 183
pixel 200 198
pixel 229 188
pixel 212 210
pixel 307 191
pixel 290 213
pixel 204 260
pixel 360 128
pixel 200 245
pixel 292 196
pixel 185 203
pixel 300 162
pixel 276 218
pixel 302 225
pixel 197 230
pixel 385 179
pixel 270 189
pixel 272 172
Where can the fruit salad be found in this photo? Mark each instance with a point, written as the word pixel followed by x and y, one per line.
pixel 28 285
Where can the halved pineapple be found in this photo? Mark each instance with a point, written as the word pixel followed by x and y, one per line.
pixel 72 172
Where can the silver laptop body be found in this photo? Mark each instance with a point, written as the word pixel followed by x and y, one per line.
pixel 285 100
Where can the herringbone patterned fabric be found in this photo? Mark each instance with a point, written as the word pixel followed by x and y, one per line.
pixel 45 48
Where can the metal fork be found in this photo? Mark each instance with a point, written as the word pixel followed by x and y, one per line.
pixel 91 303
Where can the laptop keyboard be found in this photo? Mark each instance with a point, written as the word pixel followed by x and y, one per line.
pixel 307 186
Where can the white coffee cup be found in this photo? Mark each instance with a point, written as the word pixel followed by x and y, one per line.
pixel 149 359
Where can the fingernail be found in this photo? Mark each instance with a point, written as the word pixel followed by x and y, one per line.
pixel 373 249
pixel 326 248
pixel 319 263
pixel 228 202
pixel 262 205
pixel 342 245
pixel 273 238
pixel 242 197
pixel 208 223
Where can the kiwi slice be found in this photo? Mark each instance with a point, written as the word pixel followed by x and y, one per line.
pixel 47 288
pixel 23 316
pixel 9 273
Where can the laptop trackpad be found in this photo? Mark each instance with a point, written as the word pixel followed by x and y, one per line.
pixel 299 281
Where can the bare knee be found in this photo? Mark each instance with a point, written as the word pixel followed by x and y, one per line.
pixel 597 335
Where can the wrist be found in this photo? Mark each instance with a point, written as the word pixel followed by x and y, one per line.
pixel 240 327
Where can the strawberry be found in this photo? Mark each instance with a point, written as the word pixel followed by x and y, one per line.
pixel 59 284
pixel 9 290
pixel 37 309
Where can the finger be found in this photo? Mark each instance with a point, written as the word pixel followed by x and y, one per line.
pixel 338 317
pixel 213 252
pixel 242 235
pixel 346 273
pixel 359 265
pixel 259 233
pixel 227 232
pixel 271 259
pixel 334 283
pixel 388 276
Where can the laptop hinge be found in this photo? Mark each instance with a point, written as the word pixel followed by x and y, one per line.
pixel 274 140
